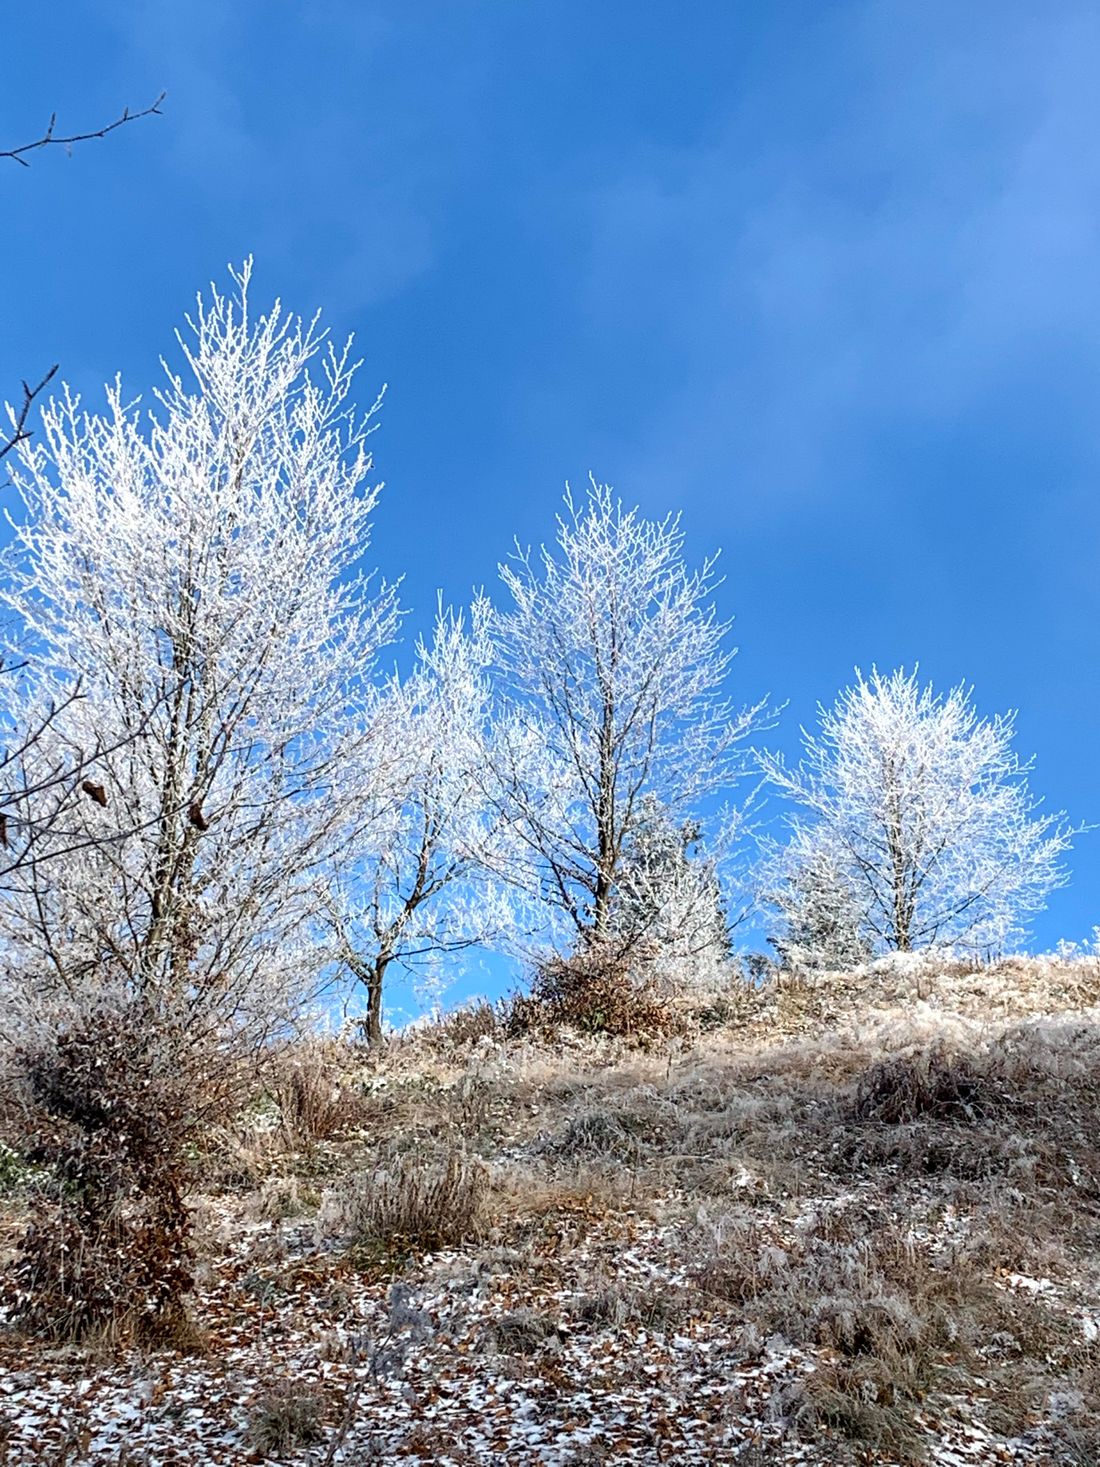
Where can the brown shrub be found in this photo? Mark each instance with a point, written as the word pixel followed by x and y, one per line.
pixel 932 1083
pixel 598 990
pixel 465 1027
pixel 107 1112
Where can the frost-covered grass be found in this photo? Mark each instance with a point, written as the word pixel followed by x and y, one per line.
pixel 842 1221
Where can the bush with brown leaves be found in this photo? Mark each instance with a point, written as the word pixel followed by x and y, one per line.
pixel 597 990
pixel 105 1116
pixel 466 1027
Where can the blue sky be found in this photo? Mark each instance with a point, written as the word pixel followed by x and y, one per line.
pixel 822 275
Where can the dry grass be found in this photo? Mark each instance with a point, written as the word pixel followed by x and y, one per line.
pixel 892 1319
pixel 409 1205
pixel 287 1416
pixel 314 1092
pixel 896 1172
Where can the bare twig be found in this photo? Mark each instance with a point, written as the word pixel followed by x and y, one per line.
pixel 20 431
pixel 50 139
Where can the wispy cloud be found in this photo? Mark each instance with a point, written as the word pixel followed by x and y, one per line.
pixel 925 238
pixel 350 181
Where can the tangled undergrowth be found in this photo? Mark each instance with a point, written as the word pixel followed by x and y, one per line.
pixel 103 1118
pixel 598 990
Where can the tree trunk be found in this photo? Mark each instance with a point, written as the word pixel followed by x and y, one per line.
pixel 374 979
pixel 901 913
pixel 605 825
pixel 374 1008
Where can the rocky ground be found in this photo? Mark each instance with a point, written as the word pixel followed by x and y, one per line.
pixel 853 1220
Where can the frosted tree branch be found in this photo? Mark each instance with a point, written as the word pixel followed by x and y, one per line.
pixel 921 810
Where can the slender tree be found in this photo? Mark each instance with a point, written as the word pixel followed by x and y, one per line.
pixel 195 574
pixel 922 810
pixel 613 663
pixel 422 879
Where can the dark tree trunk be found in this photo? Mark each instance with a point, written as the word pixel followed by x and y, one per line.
pixel 374 979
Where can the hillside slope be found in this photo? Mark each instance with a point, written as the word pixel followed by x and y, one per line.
pixel 853 1220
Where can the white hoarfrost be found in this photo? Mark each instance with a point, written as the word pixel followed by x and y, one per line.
pixel 669 895
pixel 613 662
pixel 193 573
pixel 427 849
pixel 920 810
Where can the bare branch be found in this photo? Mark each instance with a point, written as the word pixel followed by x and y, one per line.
pixel 50 137
pixel 20 431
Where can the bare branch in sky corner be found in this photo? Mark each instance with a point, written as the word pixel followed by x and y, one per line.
pixel 50 138
pixel 20 431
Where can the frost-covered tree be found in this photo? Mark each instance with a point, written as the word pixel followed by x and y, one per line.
pixel 422 877
pixel 924 812
pixel 668 894
pixel 194 570
pixel 613 663
pixel 820 921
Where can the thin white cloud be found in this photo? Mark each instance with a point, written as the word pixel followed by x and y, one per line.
pixel 919 247
pixel 352 174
